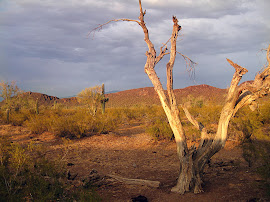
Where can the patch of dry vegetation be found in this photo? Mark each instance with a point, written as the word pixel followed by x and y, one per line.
pixel 250 129
pixel 26 174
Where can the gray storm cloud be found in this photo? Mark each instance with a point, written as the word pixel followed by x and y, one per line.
pixel 45 48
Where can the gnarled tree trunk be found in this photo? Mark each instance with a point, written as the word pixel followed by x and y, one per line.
pixel 193 160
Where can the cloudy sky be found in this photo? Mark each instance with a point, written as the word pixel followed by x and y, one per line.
pixel 45 47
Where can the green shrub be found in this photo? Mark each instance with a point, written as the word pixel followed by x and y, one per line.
pixel 192 133
pixel 73 123
pixel 134 113
pixel 265 112
pixel 249 123
pixel 157 124
pixel 38 124
pixel 207 114
pixel 257 154
pixel 254 129
pixel 27 175
pixel 160 129
pixel 17 118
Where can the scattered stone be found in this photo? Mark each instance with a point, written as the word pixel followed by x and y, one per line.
pixel 71 177
pixel 253 200
pixel 93 171
pixel 223 164
pixel 139 198
pixel 95 179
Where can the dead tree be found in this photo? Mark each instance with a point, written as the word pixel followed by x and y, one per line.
pixel 193 160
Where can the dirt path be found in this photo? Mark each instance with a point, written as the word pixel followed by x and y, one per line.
pixel 131 153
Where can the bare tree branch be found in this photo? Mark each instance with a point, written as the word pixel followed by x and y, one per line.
pixel 161 54
pixel 114 20
pixel 191 119
pixel 170 64
pixel 268 55
pixel 190 65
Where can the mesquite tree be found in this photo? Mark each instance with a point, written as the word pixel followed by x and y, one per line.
pixel 193 160
pixel 91 97
pixel 10 93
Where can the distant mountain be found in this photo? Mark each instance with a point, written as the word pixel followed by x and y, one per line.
pixel 141 96
pixel 113 91
pixel 68 96
pixel 43 99
pixel 148 96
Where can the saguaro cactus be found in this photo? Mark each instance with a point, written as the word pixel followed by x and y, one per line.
pixel 103 99
pixel 37 111
pixel 8 115
pixel 54 105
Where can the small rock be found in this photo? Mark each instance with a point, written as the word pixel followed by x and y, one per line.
pixel 71 177
pixel 253 200
pixel 93 171
pixel 139 198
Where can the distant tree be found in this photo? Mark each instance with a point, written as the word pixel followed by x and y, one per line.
pixel 10 92
pixel 192 159
pixel 91 97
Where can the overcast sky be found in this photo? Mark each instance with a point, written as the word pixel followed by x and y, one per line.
pixel 45 48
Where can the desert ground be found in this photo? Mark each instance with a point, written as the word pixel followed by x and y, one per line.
pixel 131 153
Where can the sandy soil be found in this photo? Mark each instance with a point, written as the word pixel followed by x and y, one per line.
pixel 131 153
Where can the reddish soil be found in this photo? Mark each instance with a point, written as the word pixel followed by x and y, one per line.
pixel 131 153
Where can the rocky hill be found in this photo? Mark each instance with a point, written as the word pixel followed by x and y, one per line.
pixel 44 99
pixel 148 96
pixel 140 96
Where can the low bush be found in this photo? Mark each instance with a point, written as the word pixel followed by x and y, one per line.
pixel 157 124
pixel 264 110
pixel 207 114
pixel 17 118
pixel 38 124
pixel 248 123
pixel 27 175
pixel 253 128
pixel 74 123
pixel 160 129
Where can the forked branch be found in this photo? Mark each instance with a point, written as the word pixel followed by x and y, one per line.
pixel 248 94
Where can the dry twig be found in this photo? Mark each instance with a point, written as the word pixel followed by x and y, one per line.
pixel 190 65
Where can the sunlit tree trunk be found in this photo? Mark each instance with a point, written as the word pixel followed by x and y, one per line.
pixel 193 160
